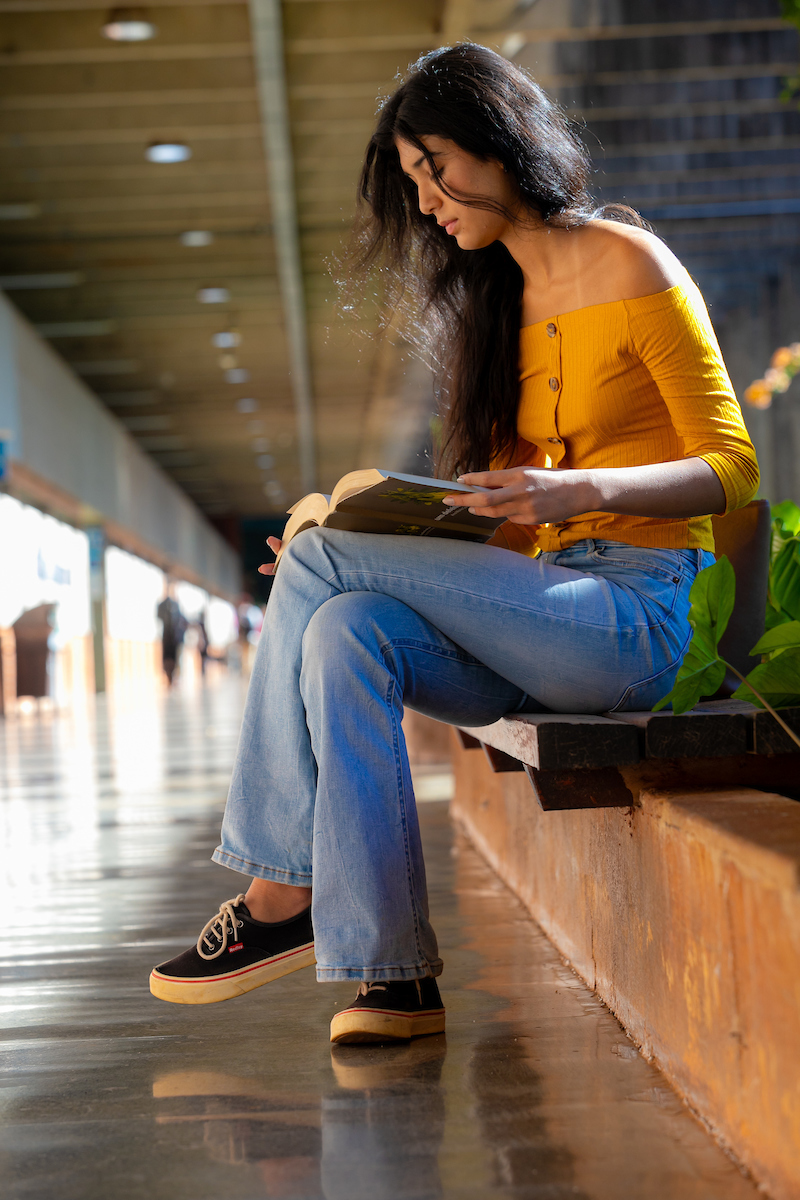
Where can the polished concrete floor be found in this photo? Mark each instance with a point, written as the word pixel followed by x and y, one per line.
pixel 108 820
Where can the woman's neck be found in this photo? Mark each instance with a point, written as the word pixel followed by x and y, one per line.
pixel 602 261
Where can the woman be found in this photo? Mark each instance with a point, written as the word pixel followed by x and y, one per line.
pixel 566 339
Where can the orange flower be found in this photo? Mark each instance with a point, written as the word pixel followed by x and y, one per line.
pixel 759 394
pixel 782 357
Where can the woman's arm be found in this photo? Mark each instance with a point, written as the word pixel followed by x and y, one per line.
pixel 530 496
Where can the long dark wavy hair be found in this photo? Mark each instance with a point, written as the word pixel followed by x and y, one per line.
pixel 461 308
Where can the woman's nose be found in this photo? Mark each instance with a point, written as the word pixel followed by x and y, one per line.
pixel 429 199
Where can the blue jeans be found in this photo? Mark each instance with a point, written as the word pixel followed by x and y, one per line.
pixel 359 625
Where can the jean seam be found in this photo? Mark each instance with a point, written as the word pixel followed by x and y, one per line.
pixel 402 803
pixel 468 660
pixel 221 853
pixel 652 678
pixel 484 599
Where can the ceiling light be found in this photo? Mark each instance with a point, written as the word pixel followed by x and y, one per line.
pixel 226 339
pixel 237 375
pixel 265 462
pixel 196 237
pixel 213 295
pixel 167 152
pixel 227 361
pixel 256 427
pixel 128 25
pixel 246 405
pixel 274 489
pixel 259 445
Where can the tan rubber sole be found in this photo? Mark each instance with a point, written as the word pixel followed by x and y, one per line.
pixel 373 1025
pixel 232 984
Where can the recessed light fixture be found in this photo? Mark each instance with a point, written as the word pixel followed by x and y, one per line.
pixel 265 462
pixel 226 339
pixel 256 427
pixel 129 25
pixel 197 237
pixel 274 489
pixel 246 405
pixel 227 361
pixel 213 295
pixel 167 152
pixel 260 445
pixel 237 375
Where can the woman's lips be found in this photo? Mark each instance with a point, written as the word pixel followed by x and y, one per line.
pixel 449 225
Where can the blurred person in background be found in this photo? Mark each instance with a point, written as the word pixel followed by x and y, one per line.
pixel 173 631
pixel 585 389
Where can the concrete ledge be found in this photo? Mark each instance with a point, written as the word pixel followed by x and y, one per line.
pixel 683 912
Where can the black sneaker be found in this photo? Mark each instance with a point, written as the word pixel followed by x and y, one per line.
pixel 233 955
pixel 389 1011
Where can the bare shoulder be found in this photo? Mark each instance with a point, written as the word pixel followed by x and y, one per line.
pixel 632 262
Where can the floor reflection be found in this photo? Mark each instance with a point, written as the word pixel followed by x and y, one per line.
pixel 109 821
pixel 510 1105
pixel 374 1135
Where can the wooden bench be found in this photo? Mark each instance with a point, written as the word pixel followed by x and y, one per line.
pixel 587 761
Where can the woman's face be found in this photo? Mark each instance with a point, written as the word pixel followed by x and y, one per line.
pixel 473 228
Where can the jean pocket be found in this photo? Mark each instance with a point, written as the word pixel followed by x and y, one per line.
pixel 643 695
pixel 665 564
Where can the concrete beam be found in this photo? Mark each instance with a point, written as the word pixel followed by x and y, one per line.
pixel 267 32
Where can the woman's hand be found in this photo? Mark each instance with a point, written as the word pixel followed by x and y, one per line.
pixel 526 495
pixel 275 545
pixel 687 487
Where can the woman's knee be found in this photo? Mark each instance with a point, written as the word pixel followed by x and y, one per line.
pixel 348 629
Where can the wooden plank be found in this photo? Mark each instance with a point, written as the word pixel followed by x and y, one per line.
pixel 500 762
pixel 765 735
pixel 468 742
pixel 696 734
pixel 556 741
pixel 560 790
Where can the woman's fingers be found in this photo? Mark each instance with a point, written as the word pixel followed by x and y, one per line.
pixel 275 545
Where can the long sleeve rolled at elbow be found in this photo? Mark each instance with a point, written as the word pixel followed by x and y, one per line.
pixel 737 471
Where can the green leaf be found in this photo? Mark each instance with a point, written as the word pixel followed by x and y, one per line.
pixel 784 578
pixel 779 638
pixel 790 11
pixel 778 681
pixel 775 617
pixel 787 514
pixel 712 595
pixel 688 689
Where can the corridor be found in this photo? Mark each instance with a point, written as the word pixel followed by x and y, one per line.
pixel 108 820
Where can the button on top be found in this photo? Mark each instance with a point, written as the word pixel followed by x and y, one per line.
pixel 551 330
pixel 554 385
pixel 555 441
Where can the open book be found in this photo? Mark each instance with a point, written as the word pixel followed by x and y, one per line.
pixel 374 501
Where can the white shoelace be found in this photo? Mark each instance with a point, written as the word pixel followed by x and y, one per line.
pixel 218 926
pixel 364 989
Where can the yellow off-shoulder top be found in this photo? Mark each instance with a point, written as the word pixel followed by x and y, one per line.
pixel 623 384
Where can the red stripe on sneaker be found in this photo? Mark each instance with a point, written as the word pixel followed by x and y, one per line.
pixel 245 970
pixel 391 1012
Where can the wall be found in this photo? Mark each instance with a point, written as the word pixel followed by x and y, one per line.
pixel 69 448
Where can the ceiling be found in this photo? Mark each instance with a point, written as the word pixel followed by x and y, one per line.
pixel 91 251
pixel 276 102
